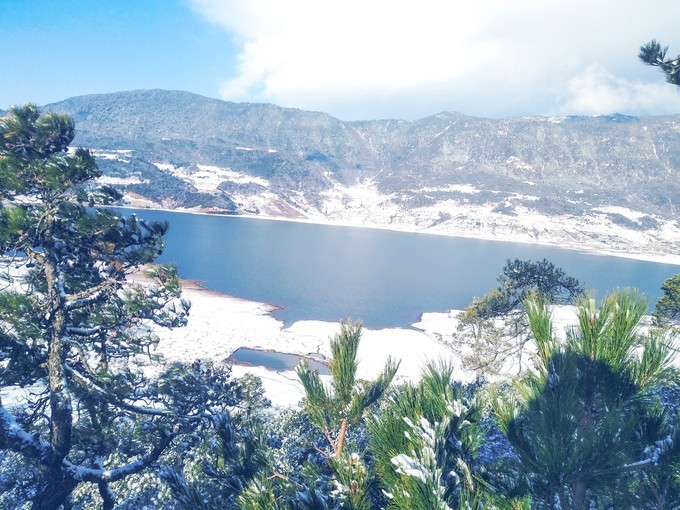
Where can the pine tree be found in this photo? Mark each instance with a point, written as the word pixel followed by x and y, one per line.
pixel 228 456
pixel 654 54
pixel 491 345
pixel 335 408
pixel 668 307
pixel 73 327
pixel 340 479
pixel 587 421
pixel 425 443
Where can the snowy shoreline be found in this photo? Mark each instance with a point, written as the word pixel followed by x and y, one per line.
pixel 220 324
pixel 673 259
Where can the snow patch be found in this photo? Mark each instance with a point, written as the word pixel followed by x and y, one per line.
pixel 232 176
pixel 519 164
pixel 623 211
pixel 363 205
pixel 121 181
pixel 207 178
pixel 122 155
pixel 165 166
pixel 460 188
pixel 220 324
pixel 344 202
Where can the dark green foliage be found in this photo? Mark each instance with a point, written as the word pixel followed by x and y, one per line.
pixel 505 208
pixel 344 403
pixel 654 54
pixel 492 345
pixel 559 205
pixel 586 420
pixel 523 278
pixel 73 325
pixel 425 443
pixel 659 486
pixel 337 408
pixel 668 307
pixel 229 454
pixel 642 224
pixel 335 474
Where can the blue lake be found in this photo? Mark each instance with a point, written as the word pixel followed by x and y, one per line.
pixel 274 360
pixel 381 277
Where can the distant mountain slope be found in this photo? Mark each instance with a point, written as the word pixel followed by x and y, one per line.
pixel 609 182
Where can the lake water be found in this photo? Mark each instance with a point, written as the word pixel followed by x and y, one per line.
pixel 275 360
pixel 381 277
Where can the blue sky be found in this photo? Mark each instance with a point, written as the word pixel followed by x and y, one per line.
pixel 64 48
pixel 355 59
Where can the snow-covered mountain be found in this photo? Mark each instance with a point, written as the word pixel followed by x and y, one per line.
pixel 607 183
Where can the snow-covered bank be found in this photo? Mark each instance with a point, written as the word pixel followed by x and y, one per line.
pixel 220 324
pixel 562 233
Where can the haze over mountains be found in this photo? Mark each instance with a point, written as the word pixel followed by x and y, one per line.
pixel 608 182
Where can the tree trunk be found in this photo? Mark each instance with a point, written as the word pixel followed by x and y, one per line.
pixel 58 486
pixel 54 493
pixel 579 495
pixel 107 496
pixel 61 422
pixel 341 438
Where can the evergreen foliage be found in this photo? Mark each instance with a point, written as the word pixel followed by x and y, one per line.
pixel 668 307
pixel 521 279
pixel 654 54
pixel 343 404
pixel 227 455
pixel 593 424
pixel 74 329
pixel 492 345
pixel 334 478
pixel 425 444
pixel 333 409
pixel 587 420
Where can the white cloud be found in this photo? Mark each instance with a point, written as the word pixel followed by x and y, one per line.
pixel 597 92
pixel 410 58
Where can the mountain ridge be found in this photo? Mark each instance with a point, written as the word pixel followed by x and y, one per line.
pixel 603 182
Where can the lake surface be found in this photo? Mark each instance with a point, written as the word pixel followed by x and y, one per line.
pixel 381 277
pixel 275 360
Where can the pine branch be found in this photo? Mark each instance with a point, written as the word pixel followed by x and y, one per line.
pixel 89 296
pixel 13 437
pixel 114 400
pixel 85 474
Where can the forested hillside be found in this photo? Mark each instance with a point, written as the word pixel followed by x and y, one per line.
pixel 608 182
